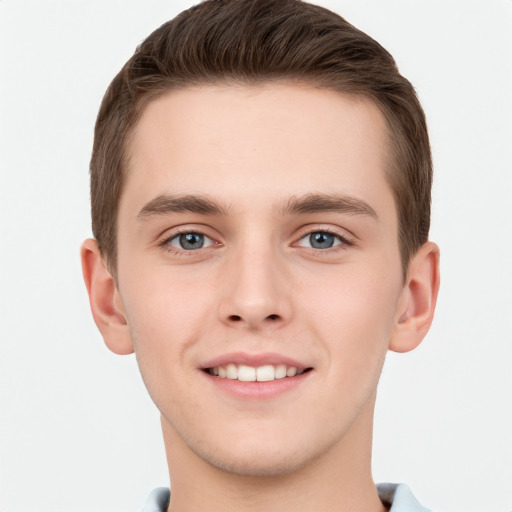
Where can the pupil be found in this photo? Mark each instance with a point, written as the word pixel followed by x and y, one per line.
pixel 321 240
pixel 192 241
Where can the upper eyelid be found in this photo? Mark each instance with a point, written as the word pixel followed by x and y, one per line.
pixel 338 231
pixel 170 233
pixel 344 241
pixel 327 231
pixel 186 232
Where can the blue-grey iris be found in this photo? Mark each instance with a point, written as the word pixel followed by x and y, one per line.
pixel 321 240
pixel 191 241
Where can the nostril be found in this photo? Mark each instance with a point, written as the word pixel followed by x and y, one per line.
pixel 273 317
pixel 235 318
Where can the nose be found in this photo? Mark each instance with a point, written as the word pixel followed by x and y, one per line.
pixel 254 294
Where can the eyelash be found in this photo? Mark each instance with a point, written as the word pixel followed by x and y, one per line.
pixel 344 242
pixel 165 243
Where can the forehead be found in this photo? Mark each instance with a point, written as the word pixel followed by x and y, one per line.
pixel 245 143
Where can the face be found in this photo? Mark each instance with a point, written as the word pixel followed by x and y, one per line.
pixel 259 269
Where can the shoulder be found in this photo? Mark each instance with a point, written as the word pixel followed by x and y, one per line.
pixel 399 498
pixel 158 500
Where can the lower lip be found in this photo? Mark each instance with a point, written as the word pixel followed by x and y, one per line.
pixel 257 390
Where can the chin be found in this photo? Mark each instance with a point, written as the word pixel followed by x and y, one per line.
pixel 258 457
pixel 260 465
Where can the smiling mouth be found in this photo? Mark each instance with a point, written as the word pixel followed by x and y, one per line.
pixel 263 373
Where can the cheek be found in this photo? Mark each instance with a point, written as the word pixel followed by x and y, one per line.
pixel 166 316
pixel 160 302
pixel 355 314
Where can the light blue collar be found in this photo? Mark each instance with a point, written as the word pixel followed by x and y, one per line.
pixel 398 496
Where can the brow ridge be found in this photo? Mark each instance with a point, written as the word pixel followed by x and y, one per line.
pixel 320 202
pixel 308 203
pixel 165 203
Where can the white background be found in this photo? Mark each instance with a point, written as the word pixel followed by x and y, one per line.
pixel 77 431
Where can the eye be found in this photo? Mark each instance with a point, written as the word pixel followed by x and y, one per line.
pixel 321 240
pixel 190 241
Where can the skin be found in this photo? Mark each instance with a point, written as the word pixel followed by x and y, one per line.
pixel 257 286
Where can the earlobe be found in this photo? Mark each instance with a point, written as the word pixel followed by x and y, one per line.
pixel 106 305
pixel 418 301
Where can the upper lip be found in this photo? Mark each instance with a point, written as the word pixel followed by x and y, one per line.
pixel 255 360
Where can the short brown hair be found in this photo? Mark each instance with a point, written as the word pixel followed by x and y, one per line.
pixel 258 41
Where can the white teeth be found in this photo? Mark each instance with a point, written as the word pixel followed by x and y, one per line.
pixel 231 371
pixel 280 371
pixel 263 373
pixel 246 373
pixel 291 372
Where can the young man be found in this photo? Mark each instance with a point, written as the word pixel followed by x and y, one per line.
pixel 260 187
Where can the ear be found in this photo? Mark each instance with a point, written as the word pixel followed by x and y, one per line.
pixel 417 303
pixel 106 305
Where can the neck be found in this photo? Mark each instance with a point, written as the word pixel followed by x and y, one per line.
pixel 338 480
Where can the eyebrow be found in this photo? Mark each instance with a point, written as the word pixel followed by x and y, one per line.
pixel 164 204
pixel 309 203
pixel 315 203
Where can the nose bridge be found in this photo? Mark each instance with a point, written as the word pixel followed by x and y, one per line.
pixel 254 293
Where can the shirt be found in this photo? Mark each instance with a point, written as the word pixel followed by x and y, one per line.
pixel 397 496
